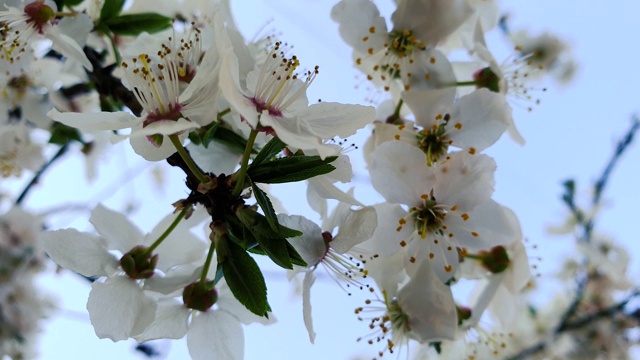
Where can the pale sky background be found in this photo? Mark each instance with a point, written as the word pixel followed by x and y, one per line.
pixel 571 134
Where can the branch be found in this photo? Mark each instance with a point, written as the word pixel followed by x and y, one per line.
pixel 38 174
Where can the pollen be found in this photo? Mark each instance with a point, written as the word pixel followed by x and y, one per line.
pixel 472 151
pixel 465 216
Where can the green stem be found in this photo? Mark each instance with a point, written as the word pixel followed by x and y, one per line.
pixel 116 52
pixel 223 113
pixel 187 159
pixel 207 263
pixel 396 112
pixel 167 232
pixel 466 83
pixel 245 163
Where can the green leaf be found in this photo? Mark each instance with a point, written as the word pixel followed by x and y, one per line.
pixel 290 169
pixel 72 2
pixel 296 259
pixel 230 138
pixel 195 137
pixel 110 9
pixel 134 24
pixel 62 134
pixel 265 205
pixel 209 134
pixel 271 149
pixel 243 276
pixel 274 246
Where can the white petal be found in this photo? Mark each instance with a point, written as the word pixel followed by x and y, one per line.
pixel 431 21
pixel 96 121
pixel 233 93
pixel 386 239
pixel 356 226
pixel 119 233
pixel 426 105
pixel 465 180
pixel 309 279
pixel 228 302
pixel 310 245
pixel 68 47
pixel 355 18
pixel 328 120
pixel 324 189
pixel 297 133
pixel 164 127
pixel 400 174
pixel 429 305
pixel 215 335
pixel 148 150
pixel 494 224
pixel 180 247
pixel 119 309
pixel 171 322
pixel 81 252
pixel 484 116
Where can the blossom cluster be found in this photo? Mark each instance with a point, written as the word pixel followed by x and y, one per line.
pixel 179 82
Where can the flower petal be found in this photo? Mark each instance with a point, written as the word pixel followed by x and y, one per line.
pixel 215 335
pixel 120 234
pixel 119 309
pixel 100 121
pixel 81 252
pixel 309 279
pixel 171 322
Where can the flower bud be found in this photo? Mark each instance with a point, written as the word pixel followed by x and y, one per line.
pixel 199 296
pixel 138 263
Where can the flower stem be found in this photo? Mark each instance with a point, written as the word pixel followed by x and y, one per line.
pixel 240 175
pixel 207 263
pixel 116 52
pixel 223 113
pixel 187 159
pixel 466 83
pixel 396 112
pixel 168 231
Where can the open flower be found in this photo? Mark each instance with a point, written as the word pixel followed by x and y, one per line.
pixel 118 305
pixel 406 52
pixel 422 309
pixel 318 248
pixel 155 80
pixel 275 101
pixel 448 208
pixel 35 21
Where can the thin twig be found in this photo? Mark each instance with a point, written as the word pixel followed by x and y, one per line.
pixel 39 173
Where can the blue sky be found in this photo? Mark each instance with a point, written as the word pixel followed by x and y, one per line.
pixel 570 135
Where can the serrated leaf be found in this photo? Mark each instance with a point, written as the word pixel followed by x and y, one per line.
pixel 134 24
pixel 110 9
pixel 243 276
pixel 271 149
pixel 62 134
pixel 265 205
pixel 296 259
pixel 273 245
pixel 291 169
